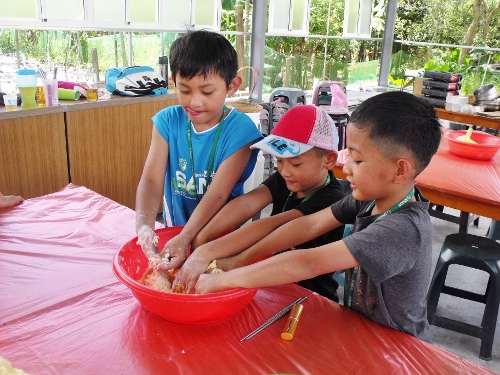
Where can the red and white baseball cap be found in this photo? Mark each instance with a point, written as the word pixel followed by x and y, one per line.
pixel 300 129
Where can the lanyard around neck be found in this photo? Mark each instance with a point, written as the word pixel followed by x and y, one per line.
pixel 394 208
pixel 391 210
pixel 212 151
pixel 327 181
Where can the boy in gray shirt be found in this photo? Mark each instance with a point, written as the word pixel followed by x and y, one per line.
pixel 391 138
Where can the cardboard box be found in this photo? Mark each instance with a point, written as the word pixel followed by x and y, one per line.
pixel 418 85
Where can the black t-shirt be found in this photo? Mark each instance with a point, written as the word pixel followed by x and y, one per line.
pixel 324 285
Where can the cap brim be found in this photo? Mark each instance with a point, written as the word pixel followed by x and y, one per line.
pixel 281 147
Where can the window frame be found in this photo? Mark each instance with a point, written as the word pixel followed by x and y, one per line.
pixel 277 9
pixel 363 14
pixel 88 22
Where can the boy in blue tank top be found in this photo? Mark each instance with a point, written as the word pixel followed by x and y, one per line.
pixel 391 138
pixel 197 144
pixel 305 143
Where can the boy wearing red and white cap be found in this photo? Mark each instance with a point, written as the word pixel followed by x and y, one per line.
pixel 305 143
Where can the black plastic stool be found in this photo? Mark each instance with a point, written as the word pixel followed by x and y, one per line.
pixel 476 252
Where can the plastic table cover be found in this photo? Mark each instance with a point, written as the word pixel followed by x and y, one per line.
pixel 62 311
pixel 476 179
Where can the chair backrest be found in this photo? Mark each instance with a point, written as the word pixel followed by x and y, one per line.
pixel 289 95
pixel 322 92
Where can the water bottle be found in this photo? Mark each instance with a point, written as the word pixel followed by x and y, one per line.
pixel 163 64
pixel 26 83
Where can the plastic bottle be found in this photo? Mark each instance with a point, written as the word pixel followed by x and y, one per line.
pixel 26 83
pixel 40 93
pixel 163 64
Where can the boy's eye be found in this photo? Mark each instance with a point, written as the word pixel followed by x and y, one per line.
pixel 208 93
pixel 183 91
pixel 296 164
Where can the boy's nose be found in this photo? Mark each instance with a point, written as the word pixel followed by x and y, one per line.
pixel 347 167
pixel 285 171
pixel 196 102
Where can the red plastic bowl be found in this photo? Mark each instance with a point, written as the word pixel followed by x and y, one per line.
pixel 130 263
pixel 486 148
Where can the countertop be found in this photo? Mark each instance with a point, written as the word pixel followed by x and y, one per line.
pixel 83 104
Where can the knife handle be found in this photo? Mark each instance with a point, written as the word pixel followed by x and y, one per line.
pixel 292 321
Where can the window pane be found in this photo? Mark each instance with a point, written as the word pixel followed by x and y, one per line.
pixel 176 14
pixel 63 10
pixel 279 15
pixel 109 10
pixel 18 9
pixel 352 12
pixel 365 17
pixel 205 12
pixel 300 14
pixel 143 11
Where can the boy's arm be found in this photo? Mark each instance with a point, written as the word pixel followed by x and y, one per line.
pixel 291 234
pixel 9 200
pixel 284 268
pixel 150 192
pixel 229 245
pixel 233 215
pixel 228 173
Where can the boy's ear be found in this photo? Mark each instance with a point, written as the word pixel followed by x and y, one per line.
pixel 173 80
pixel 331 159
pixel 234 85
pixel 405 170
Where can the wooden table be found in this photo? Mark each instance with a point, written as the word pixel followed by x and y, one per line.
pixel 467 118
pixel 62 311
pixel 470 186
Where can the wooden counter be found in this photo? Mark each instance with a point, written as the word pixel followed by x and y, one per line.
pixel 33 159
pixel 101 145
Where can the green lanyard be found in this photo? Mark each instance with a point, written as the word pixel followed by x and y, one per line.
pixel 308 195
pixel 391 210
pixel 212 151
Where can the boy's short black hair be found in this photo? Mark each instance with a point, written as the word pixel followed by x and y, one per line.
pixel 203 52
pixel 398 121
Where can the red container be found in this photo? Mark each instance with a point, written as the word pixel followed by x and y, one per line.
pixel 486 148
pixel 130 263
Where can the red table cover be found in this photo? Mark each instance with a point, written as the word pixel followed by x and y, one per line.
pixel 62 311
pixel 475 179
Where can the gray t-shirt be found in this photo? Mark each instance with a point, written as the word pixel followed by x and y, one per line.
pixel 395 255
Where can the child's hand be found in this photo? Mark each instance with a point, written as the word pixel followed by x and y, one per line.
pixel 208 284
pixel 228 263
pixel 9 200
pixel 148 240
pixel 194 266
pixel 174 253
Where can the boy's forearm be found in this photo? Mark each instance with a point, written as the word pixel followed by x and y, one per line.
pixel 148 202
pixel 239 240
pixel 217 194
pixel 291 234
pixel 277 270
pixel 208 207
pixel 228 219
pixel 291 266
